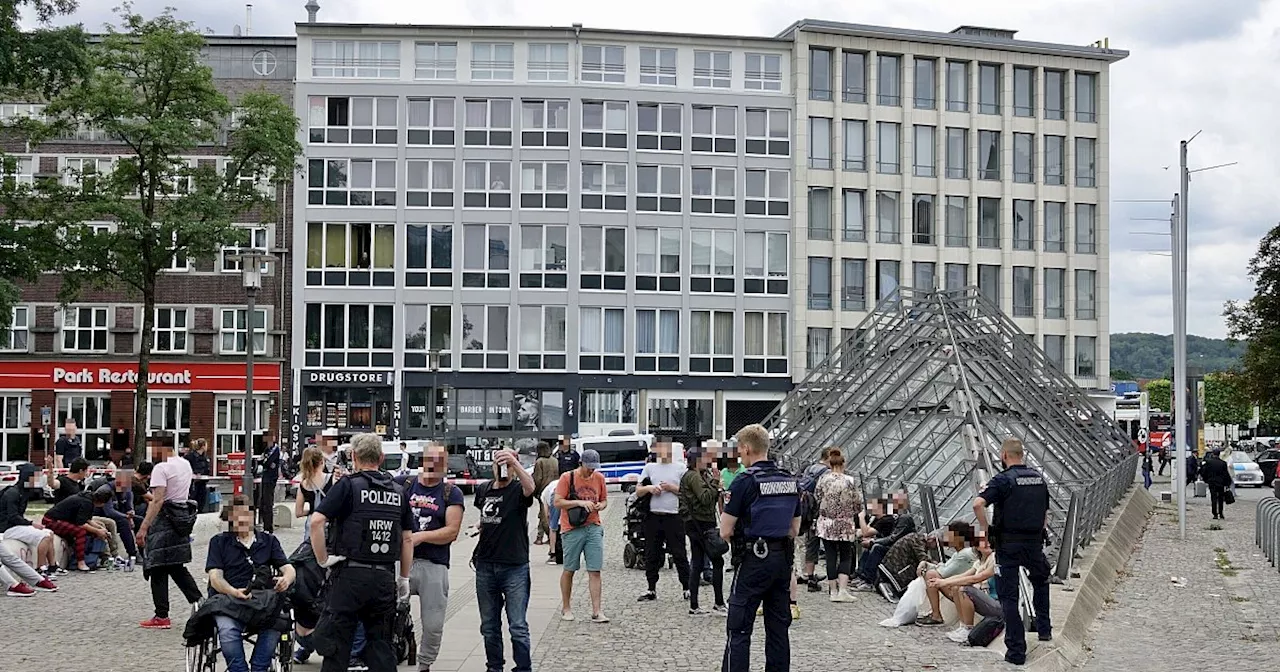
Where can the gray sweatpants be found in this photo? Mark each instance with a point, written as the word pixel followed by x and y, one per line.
pixel 22 570
pixel 430 582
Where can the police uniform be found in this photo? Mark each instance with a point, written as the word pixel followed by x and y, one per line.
pixel 1021 499
pixel 368 514
pixel 765 500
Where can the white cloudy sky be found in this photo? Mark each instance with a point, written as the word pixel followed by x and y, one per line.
pixel 1194 64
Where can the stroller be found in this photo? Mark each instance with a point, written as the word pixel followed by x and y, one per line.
pixel 633 531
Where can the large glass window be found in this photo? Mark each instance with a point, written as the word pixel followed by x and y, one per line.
pixel 657 66
pixel 854 228
pixel 658 260
pixel 1086 175
pixel 889 84
pixel 888 147
pixel 659 188
pixel 957 221
pixel 1055 94
pixel 604 124
pixel 351 182
pixel 486 256
pixel 349 335
pixel 604 63
pixel 767 257
pixel 958 153
pixel 426 328
pixel 1055 226
pixel 715 129
pixel 926 83
pixel 659 126
pixel 604 258
pixel 1024 291
pixel 923 275
pixel 768 192
pixel 84 329
pixel 1024 225
pixel 855 77
pixel 989 86
pixel 18 336
pixel 1055 293
pixel 957 276
pixel 1055 159
pixel 544 256
pixel 657 340
pixel 765 342
pixel 957 86
pixel 1024 152
pixel 1055 351
pixel 1086 294
pixel 817 346
pixel 821 77
pixel 820 213
pixel 888 216
pixel 853 284
pixel 604 186
pixel 711 261
pixel 1086 356
pixel 819 283
pixel 887 278
pixel 1086 223
pixel 712 69
pixel 1086 97
pixel 1024 92
pixel 711 341
pixel 855 144
pixel 989 283
pixel 487 122
pixel 486 334
pixel 429 255
pixel 352 120
pixel 544 123
pixel 713 191
pixel 548 62
pixel 820 143
pixel 431 121
pixel 925 164
pixel 989 222
pixel 922 219
pixel 989 155
pixel 542 337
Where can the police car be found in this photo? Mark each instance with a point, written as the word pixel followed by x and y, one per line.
pixel 623 454
pixel 1244 470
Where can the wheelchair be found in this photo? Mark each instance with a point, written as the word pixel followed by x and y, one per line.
pixel 206 656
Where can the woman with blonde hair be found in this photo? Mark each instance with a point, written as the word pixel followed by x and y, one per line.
pixel 839 503
pixel 313 482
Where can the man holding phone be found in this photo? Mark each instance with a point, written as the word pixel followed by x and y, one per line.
pixel 581 495
pixel 501 560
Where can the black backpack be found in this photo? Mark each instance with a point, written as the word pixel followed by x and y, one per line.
pixel 986 631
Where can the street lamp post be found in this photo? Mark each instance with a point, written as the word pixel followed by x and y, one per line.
pixel 251 262
pixel 433 360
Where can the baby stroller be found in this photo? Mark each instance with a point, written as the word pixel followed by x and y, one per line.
pixel 402 639
pixel 633 531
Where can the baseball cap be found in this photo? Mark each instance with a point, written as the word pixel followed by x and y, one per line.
pixel 590 459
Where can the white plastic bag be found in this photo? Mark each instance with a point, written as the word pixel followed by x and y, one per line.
pixel 909 606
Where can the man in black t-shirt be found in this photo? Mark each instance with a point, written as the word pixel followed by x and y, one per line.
pixel 68 448
pixel 501 560
pixel 72 482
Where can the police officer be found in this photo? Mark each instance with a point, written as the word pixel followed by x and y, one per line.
pixel 1017 534
pixel 761 521
pixel 372 531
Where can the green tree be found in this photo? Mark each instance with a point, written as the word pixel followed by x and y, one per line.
pixel 1121 374
pixel 149 91
pixel 1226 399
pixel 1158 392
pixel 1256 322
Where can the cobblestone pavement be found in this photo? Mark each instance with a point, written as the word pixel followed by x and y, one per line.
pixel 1223 618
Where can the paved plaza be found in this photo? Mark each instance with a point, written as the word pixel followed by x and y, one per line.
pixel 1152 624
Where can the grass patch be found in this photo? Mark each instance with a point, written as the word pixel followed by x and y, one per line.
pixel 1214 527
pixel 1224 563
pixel 1237 598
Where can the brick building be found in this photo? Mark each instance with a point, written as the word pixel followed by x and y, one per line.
pixel 81 360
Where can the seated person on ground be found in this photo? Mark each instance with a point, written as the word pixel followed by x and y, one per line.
pixel 899 565
pixel 72 519
pixel 876 548
pixel 972 591
pixel 236 558
pixel 959 537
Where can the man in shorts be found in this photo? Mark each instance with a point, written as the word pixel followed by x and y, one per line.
pixel 582 488
pixel 15 526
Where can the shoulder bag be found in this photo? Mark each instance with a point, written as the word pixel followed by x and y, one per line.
pixel 577 515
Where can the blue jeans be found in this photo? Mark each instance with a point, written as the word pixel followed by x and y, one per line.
pixel 231 639
pixel 499 586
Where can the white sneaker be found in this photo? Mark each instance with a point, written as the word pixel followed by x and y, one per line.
pixel 566 615
pixel 720 610
pixel 599 618
pixel 960 635
pixel 843 596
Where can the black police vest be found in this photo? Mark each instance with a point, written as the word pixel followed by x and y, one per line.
pixel 777 496
pixel 371 533
pixel 1022 513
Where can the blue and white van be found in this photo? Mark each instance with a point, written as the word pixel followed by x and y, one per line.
pixel 623 454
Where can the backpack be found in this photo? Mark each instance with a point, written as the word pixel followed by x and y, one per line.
pixel 809 481
pixel 986 632
pixel 808 510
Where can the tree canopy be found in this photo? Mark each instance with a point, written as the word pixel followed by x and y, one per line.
pixel 1151 355
pixel 1256 322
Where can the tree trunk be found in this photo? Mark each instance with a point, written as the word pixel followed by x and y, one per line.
pixel 144 368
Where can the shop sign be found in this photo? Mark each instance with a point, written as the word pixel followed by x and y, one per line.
pixel 295 426
pixel 357 378
pixel 161 376
pixel 395 419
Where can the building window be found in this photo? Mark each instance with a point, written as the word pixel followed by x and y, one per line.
pixel 84 329
pixel 544 256
pixel 767 257
pixel 548 62
pixel 657 340
pixel 957 86
pixel 429 255
pixel 1055 226
pixel 711 341
pixel 15 419
pixel 957 276
pixel 486 256
pixel 923 219
pixel 1086 286
pixel 1086 97
pixel 349 59
pixel 172 415
pixel 1055 351
pixel 1055 161
pixel 93 415
pixel 1055 94
pixel 544 185
pixel 711 69
pixel 1085 175
pixel 922 275
pixel 658 188
pixel 257 238
pixel 989 155
pixel 989 283
pixel 486 184
pixel 429 184
pixel 1086 223
pixel 1024 148
pixel 544 123
pixel 657 67
pixel 82 171
pixel 763 72
pixel 926 83
pixel 989 85
pixel 658 126
pixel 713 191
pixel 427 328
pixel 853 284
pixel 658 260
pixel 169 334
pixel 715 129
pixel 820 143
pixel 888 147
pixel 1024 291
pixel 1024 92
pixel 1024 225
pixel 768 132
pixel 854 223
pixel 604 186
pixel 229 427
pixel 819 283
pixel 18 170
pixel 431 121
pixel 485 337
pixel 855 77
pixel 608 406
pixel 356 254
pixel 926 163
pixel 711 261
pixel 889 86
pixel 487 123
pixel 1086 356
pixel 351 182
pixel 957 234
pixel 542 338
pixel 887 278
pixel 435 60
pixel 1055 293
pixel 958 153
pixel 887 217
pixel 817 346
pixel 234 331
pixel 768 193
pixel 604 124
pixel 18 336
pixel 339 120
pixel 604 258
pixel 604 63
pixel 765 342
pixel 989 222
pixel 602 339
pixel 819 213
pixel 855 144
pixel 821 76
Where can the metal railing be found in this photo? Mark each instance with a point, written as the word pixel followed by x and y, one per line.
pixel 1089 506
pixel 1266 532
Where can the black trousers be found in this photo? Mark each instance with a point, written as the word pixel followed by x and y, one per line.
pixel 1215 499
pixel 839 558
pixel 1010 557
pixel 267 505
pixel 760 581
pixel 359 595
pixel 697 530
pixel 664 533
pixel 159 577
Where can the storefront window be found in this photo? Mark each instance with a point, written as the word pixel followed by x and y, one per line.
pixel 492 410
pixel 608 406
pixel 229 428
pixel 171 415
pixel 15 428
pixel 350 409
pixel 688 421
pixel 93 420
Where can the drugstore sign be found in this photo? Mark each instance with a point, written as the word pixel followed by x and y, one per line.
pixel 162 376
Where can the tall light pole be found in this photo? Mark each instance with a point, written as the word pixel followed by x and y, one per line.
pixel 251 261
pixel 433 361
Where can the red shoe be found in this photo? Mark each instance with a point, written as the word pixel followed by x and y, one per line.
pixel 20 590
pixel 156 623
pixel 47 586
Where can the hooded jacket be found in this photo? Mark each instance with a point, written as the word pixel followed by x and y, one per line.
pixel 13 500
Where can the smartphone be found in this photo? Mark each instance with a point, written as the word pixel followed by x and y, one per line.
pixel 503 471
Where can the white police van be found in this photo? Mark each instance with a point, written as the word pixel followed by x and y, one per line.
pixel 623 454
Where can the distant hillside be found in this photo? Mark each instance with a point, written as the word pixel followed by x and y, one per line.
pixel 1151 355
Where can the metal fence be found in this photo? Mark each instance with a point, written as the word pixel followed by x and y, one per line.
pixel 1090 505
pixel 1266 532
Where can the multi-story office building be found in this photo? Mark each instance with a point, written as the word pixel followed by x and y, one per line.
pixel 513 234
pixel 80 360
pixel 929 159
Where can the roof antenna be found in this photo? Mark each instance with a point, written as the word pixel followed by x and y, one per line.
pixel 248 20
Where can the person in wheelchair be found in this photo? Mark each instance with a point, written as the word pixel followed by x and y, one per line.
pixel 248 572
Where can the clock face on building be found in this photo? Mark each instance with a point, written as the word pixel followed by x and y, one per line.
pixel 264 63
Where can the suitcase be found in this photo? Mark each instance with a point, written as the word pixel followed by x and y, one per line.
pixel 1202 489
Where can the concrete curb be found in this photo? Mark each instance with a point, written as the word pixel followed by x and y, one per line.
pixel 1075 606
